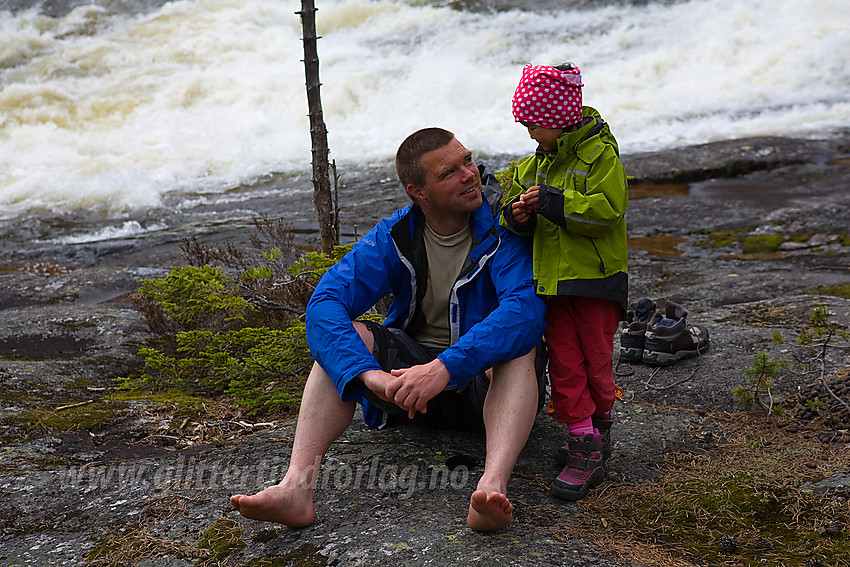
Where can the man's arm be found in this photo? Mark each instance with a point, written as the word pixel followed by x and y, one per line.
pixel 412 388
pixel 345 292
pixel 377 381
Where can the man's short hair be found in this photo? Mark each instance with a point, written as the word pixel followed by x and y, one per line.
pixel 411 150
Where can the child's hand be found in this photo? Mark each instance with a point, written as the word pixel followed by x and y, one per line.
pixel 524 208
pixel 520 212
pixel 530 197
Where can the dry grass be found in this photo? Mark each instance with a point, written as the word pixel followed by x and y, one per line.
pixel 749 492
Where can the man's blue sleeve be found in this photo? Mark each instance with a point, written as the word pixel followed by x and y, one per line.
pixel 345 292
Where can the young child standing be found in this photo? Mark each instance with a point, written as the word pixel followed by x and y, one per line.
pixel 571 197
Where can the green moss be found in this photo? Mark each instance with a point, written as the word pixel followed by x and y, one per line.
pixel 697 512
pixel 36 394
pixel 759 243
pixel 750 495
pixel 179 405
pixel 88 416
pixel 721 238
pixel 838 290
pixel 749 243
pixel 170 397
pixel 221 540
pixel 305 556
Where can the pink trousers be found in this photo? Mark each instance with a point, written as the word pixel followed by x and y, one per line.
pixel 580 334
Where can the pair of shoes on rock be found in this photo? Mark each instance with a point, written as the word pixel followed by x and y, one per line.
pixel 583 459
pixel 633 335
pixel 661 338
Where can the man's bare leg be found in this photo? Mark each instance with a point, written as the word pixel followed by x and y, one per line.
pixel 509 412
pixel 322 418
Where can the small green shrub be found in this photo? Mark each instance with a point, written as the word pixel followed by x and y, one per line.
pixel 760 375
pixel 197 297
pixel 505 176
pixel 315 264
pixel 241 336
pixel 815 335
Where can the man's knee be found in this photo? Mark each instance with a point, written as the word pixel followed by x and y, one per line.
pixel 528 370
pixel 521 365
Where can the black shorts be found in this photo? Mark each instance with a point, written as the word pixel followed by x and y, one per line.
pixel 453 408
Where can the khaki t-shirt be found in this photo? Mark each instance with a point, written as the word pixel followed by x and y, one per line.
pixel 446 255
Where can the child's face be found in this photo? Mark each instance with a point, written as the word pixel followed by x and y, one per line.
pixel 546 137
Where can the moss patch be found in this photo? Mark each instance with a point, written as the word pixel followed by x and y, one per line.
pixel 171 397
pixel 129 547
pixel 743 505
pixel 839 290
pixel 306 556
pixel 722 238
pixel 88 416
pixel 761 243
pixel 221 540
pixel 757 246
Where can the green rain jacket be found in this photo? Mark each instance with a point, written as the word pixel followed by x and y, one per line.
pixel 579 230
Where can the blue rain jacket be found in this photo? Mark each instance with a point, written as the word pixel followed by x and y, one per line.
pixel 494 315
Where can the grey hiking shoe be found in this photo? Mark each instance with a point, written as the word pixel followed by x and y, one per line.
pixel 670 337
pixel 632 337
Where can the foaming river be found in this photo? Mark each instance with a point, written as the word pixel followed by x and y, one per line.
pixel 117 121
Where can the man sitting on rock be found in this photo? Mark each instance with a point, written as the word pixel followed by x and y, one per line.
pixel 457 349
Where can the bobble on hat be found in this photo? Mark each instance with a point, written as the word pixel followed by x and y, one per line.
pixel 548 97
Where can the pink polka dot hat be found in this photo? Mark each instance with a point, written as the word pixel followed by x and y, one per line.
pixel 548 97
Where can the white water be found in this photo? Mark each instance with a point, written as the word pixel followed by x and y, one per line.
pixel 112 113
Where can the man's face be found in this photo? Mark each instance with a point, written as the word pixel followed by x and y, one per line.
pixel 452 184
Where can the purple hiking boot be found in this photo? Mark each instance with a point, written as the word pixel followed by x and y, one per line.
pixel 583 468
pixel 602 423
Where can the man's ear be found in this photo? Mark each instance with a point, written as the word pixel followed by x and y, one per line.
pixel 415 192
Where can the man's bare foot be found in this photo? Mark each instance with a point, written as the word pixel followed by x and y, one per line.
pixel 276 504
pixel 488 512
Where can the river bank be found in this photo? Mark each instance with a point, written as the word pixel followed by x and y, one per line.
pixel 747 235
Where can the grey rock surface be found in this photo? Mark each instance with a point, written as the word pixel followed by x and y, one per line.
pixel 399 496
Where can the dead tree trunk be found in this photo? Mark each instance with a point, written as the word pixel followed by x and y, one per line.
pixel 322 196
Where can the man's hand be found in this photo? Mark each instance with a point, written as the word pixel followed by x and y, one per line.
pixel 413 387
pixel 377 381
